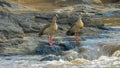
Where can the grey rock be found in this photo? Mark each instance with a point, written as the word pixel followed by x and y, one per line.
pixel 114 5
pixel 86 8
pixel 46 49
pixel 112 13
pixel 9 28
pixel 66 45
pixel 2 3
pixel 8 6
pixel 57 48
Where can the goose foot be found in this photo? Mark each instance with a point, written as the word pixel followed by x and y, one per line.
pixel 51 43
pixel 77 39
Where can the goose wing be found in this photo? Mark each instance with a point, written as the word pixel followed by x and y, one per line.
pixel 42 30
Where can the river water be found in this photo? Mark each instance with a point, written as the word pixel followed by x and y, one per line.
pixel 99 51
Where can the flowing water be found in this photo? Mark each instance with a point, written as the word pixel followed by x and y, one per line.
pixel 96 52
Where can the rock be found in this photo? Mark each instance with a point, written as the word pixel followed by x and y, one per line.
pixel 26 45
pixel 56 49
pixel 9 28
pixel 86 8
pixel 46 49
pixel 64 3
pixel 50 58
pixel 112 13
pixel 11 46
pixel 114 5
pixel 66 45
pixel 8 6
pixel 3 3
pixel 89 22
pixel 26 21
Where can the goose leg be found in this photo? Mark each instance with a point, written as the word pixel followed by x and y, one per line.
pixel 50 40
pixel 77 37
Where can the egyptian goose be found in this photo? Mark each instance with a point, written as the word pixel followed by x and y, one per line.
pixel 50 29
pixel 76 27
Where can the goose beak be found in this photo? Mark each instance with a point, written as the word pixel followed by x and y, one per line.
pixel 79 14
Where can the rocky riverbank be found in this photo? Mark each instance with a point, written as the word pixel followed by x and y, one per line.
pixel 19 38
